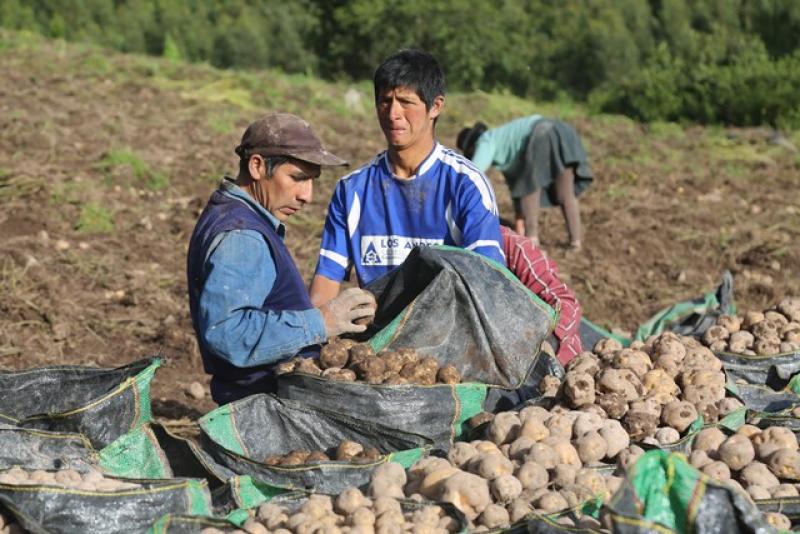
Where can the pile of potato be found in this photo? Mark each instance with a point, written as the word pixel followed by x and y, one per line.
pixel 764 464
pixel 346 360
pixel 764 333
pixel 656 388
pixel 347 451
pixel 532 460
pixel 65 478
pixel 351 511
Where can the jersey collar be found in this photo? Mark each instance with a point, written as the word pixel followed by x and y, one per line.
pixel 424 167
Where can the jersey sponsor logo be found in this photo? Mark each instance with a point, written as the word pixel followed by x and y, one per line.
pixel 390 250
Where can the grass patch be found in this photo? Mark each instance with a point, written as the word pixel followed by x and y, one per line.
pixel 120 161
pixel 94 219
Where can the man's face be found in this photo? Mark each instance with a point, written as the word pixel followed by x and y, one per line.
pixel 404 119
pixel 289 189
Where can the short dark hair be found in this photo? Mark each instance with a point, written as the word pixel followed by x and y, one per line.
pixel 273 162
pixel 412 68
pixel 468 137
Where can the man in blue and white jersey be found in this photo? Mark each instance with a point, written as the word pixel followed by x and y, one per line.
pixel 416 193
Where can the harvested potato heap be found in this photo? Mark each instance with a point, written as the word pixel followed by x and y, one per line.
pixel 65 478
pixel 764 464
pixel 347 451
pixel 344 359
pixel 656 388
pixel 532 460
pixel 351 511
pixel 764 333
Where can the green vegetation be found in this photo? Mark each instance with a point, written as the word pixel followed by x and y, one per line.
pixel 711 61
pixel 94 219
pixel 120 161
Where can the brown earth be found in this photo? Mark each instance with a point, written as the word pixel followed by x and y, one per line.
pixel 671 208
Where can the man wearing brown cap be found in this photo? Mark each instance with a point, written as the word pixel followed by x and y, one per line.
pixel 250 307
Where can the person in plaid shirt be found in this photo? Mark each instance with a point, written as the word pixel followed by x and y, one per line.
pixel 540 274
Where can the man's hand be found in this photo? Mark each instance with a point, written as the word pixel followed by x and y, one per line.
pixel 341 313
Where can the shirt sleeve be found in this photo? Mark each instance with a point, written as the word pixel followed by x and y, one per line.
pixel 240 275
pixel 477 217
pixel 540 274
pixel 484 154
pixel 334 253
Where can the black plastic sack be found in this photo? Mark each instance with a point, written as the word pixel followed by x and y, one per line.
pixel 239 437
pixel 102 404
pixel 663 493
pixel 40 449
pixel 464 310
pixel 437 412
pixel 502 400
pixel 55 510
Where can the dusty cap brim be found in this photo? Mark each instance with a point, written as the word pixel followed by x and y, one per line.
pixel 318 157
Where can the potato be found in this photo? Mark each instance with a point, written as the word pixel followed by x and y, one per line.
pixel 737 452
pixel 773 439
pixel 591 448
pixel 491 466
pixel 585 362
pixel 679 415
pixel 448 374
pixel 615 436
pixel 635 360
pixel 504 428
pixel 699 459
pixel 717 470
pixel 506 488
pixel 494 516
pixel 308 366
pixel 758 492
pixel 785 463
pixel 592 480
pixel 535 413
pixel 518 509
pixel 533 429
pixel 519 448
pixel 543 455
pixel 628 456
pixel 532 476
pixel 585 423
pixel 614 404
pixel 778 521
pixel 667 435
pixel 347 450
pixel 708 440
pixel 758 474
pixel 460 453
pixel 551 502
pixel 549 386
pixel 565 452
pixel 560 425
pixel 640 424
pixel 579 389
pixel 333 355
pixel 782 491
pixel 467 492
pixel 430 485
pixel 616 381
pixel 658 384
pixel 564 475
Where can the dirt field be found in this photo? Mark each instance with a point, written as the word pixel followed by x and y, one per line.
pixel 106 161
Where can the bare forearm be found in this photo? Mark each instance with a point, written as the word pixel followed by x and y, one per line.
pixel 323 290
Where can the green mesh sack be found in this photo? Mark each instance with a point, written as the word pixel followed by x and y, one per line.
pixel 136 454
pixel 663 493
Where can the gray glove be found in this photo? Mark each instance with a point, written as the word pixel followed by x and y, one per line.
pixel 341 313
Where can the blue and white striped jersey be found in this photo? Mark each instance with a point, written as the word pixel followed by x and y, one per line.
pixel 375 219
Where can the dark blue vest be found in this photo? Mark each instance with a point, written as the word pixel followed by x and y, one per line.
pixel 223 214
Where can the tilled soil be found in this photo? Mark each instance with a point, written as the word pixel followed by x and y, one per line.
pixel 670 209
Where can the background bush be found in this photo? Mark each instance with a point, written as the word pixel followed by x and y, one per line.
pixel 727 61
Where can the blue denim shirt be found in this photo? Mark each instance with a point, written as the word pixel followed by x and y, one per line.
pixel 231 321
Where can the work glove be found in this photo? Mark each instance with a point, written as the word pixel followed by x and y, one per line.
pixel 340 314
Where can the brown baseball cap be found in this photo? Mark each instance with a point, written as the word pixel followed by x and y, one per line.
pixel 284 134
